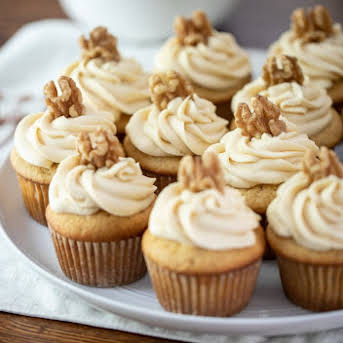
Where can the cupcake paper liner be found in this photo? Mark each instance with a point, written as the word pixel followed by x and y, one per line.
pixel 221 294
pixel 162 181
pixel 36 198
pixel 314 287
pixel 100 264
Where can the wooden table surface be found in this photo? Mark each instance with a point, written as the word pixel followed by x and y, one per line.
pixel 16 328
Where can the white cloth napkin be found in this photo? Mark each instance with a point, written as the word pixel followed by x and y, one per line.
pixel 36 54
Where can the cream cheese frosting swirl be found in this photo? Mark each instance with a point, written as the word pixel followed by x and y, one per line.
pixel 306 106
pixel 321 61
pixel 218 65
pixel 186 126
pixel 121 190
pixel 115 87
pixel 265 160
pixel 42 140
pixel 312 214
pixel 208 219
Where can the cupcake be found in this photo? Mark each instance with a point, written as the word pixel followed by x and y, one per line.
pixel 261 153
pixel 178 123
pixel 42 140
pixel 99 208
pixel 300 101
pixel 108 81
pixel 212 61
pixel 306 232
pixel 203 247
pixel 317 43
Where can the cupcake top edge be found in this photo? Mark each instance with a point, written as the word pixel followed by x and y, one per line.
pixel 209 59
pixel 263 149
pixel 178 122
pixel 45 138
pixel 301 102
pixel 98 178
pixel 309 206
pixel 109 81
pixel 317 42
pixel 200 210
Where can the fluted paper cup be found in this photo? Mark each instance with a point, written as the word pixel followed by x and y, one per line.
pixel 221 294
pixel 100 264
pixel 36 198
pixel 312 286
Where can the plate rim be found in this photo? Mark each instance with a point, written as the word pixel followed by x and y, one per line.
pixel 220 325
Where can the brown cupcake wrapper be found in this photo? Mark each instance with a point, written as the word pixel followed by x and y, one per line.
pixel 36 198
pixel 217 295
pixel 314 287
pixel 162 181
pixel 100 264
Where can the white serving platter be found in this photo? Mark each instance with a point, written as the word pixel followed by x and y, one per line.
pixel 269 312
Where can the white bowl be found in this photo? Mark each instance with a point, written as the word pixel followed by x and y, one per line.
pixel 142 20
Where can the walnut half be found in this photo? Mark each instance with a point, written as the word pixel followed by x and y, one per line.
pixel 323 165
pixel 100 44
pixel 194 30
pixel 313 26
pixel 198 173
pixel 100 148
pixel 68 103
pixel 166 86
pixel 289 71
pixel 264 119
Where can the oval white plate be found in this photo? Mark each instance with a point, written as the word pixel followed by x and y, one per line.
pixel 269 312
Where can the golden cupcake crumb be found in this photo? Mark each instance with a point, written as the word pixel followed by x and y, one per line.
pixel 289 70
pixel 68 103
pixel 198 173
pixel 100 148
pixel 313 26
pixel 194 30
pixel 100 44
pixel 264 119
pixel 166 86
pixel 322 165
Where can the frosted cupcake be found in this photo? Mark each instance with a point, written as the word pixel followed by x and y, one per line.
pixel 301 102
pixel 261 153
pixel 317 43
pixel 306 232
pixel 108 81
pixel 42 140
pixel 203 247
pixel 178 123
pixel 212 61
pixel 99 207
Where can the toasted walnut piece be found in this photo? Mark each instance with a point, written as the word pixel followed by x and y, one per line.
pixel 194 30
pixel 264 119
pixel 314 26
pixel 68 103
pixel 166 86
pixel 100 44
pixel 323 165
pixel 289 71
pixel 199 173
pixel 100 148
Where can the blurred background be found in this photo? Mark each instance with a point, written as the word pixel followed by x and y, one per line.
pixel 254 23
